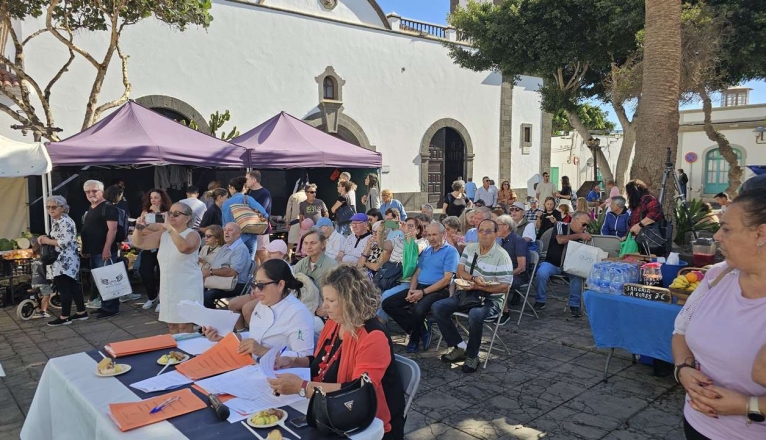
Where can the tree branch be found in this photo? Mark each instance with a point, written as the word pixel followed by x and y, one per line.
pixel 57 76
pixel 55 33
pixel 33 35
pixel 125 82
pixel 12 113
pixel 724 147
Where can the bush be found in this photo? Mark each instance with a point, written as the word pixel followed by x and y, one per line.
pixel 696 217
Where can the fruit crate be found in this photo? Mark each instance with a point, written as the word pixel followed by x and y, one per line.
pixel 681 295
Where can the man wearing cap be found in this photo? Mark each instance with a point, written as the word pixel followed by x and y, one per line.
pixel 524 228
pixel 334 242
pixel 532 211
pixel 354 244
pixel 276 250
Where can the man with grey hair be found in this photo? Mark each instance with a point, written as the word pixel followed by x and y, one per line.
pixel 99 229
pixel 518 250
pixel 561 234
pixel 430 283
pixel 487 193
pixel 616 219
pixel 428 211
pixel 480 214
pixel 232 260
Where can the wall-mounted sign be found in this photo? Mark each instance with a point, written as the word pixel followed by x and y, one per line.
pixel 690 157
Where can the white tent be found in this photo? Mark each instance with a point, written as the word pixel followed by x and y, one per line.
pixel 17 161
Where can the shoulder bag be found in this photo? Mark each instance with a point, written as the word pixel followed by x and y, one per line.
pixel 344 213
pixel 345 412
pixel 48 254
pixel 388 275
pixel 248 219
pixel 470 299
pixel 656 238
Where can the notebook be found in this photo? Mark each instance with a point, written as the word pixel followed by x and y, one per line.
pixel 143 345
pixel 222 357
pixel 134 415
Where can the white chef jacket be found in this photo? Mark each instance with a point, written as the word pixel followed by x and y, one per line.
pixel 287 322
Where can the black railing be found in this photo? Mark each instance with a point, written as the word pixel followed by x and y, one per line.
pixel 423 28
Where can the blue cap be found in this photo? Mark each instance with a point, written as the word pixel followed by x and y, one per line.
pixel 359 217
pixel 324 221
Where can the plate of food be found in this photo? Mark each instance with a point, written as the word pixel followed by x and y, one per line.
pixel 462 283
pixel 268 418
pixel 172 358
pixel 107 368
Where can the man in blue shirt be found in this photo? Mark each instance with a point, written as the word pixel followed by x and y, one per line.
pixel 237 188
pixel 480 214
pixel 487 193
pixel 470 189
pixel 430 283
pixel 232 260
pixel 595 194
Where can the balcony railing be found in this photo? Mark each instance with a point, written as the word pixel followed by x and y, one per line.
pixel 423 28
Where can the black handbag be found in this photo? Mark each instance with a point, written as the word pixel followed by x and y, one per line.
pixel 344 412
pixel 48 254
pixel 656 238
pixel 470 299
pixel 344 213
pixel 387 276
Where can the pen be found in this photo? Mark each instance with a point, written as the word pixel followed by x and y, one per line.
pixel 283 350
pixel 162 405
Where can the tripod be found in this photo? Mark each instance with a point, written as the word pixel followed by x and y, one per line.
pixel 670 171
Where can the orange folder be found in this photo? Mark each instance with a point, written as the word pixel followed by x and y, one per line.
pixel 220 358
pixel 134 415
pixel 143 345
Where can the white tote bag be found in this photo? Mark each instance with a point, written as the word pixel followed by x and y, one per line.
pixel 580 258
pixel 112 281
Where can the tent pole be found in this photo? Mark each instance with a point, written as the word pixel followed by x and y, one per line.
pixel 45 197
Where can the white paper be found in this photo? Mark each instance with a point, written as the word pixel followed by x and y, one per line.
pixel 165 381
pixel 251 384
pixel 221 320
pixel 196 346
pixel 267 362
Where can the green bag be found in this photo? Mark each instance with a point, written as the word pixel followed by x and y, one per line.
pixel 409 258
pixel 629 246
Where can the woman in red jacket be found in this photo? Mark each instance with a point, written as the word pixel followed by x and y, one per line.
pixel 352 342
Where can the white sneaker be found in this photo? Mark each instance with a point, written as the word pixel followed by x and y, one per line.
pixel 148 305
pixel 157 309
pixel 95 304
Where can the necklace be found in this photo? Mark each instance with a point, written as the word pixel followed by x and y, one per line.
pixel 326 364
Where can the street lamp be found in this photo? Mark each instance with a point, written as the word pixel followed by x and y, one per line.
pixel 594 144
pixel 759 135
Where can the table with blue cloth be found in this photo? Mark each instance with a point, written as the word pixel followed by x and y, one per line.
pixel 636 325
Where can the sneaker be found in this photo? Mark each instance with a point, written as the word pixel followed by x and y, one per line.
pixel 576 312
pixel 505 318
pixel 471 365
pixel 95 304
pixel 39 315
pixel 157 309
pixel 456 354
pixel 149 304
pixel 101 314
pixel 412 346
pixel 425 335
pixel 539 306
pixel 129 297
pixel 58 321
pixel 79 317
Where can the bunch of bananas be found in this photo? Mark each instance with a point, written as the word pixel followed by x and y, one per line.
pixel 683 283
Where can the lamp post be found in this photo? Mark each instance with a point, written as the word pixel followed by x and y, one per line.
pixel 594 144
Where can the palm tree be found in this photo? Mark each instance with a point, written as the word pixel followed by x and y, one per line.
pixel 658 126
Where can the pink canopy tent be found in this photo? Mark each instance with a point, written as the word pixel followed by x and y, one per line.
pixel 135 135
pixel 285 142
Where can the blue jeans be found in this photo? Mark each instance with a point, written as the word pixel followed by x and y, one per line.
pixel 544 272
pixel 113 305
pixel 386 294
pixel 442 312
pixel 251 241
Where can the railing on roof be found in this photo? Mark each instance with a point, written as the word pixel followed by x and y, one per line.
pixel 423 28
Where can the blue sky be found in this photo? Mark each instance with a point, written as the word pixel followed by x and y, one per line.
pixel 435 11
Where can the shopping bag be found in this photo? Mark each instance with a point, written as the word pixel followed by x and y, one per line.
pixel 629 246
pixel 409 258
pixel 248 219
pixel 112 281
pixel 580 258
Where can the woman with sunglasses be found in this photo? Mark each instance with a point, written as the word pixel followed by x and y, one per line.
pixel 506 195
pixel 279 318
pixel 154 206
pixel 213 241
pixel 178 252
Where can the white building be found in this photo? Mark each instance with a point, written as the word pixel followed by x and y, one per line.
pixel 382 82
pixel 571 157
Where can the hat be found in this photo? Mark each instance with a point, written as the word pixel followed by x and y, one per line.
pixel 518 205
pixel 324 221
pixel 306 224
pixel 277 246
pixel 359 217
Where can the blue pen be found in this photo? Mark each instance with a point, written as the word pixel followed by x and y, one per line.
pixel 283 350
pixel 162 405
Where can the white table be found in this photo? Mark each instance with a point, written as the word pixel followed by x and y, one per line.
pixel 71 402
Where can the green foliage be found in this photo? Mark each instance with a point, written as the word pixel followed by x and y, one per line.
pixel 594 227
pixel 217 120
pixel 696 217
pixel 593 117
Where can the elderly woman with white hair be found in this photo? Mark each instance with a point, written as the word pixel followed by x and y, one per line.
pixel 65 269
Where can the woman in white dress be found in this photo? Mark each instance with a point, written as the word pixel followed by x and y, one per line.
pixel 178 257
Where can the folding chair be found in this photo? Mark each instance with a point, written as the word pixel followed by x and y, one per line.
pixel 223 303
pixel 607 243
pixel 409 374
pixel 535 260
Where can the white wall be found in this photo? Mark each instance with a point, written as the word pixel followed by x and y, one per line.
pixel 565 147
pixel 256 62
pixel 352 11
pixel 525 110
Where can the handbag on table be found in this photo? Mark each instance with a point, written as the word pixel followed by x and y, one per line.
pixel 349 410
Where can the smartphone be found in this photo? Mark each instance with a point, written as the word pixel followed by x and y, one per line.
pixel 391 224
pixel 299 422
pixel 154 218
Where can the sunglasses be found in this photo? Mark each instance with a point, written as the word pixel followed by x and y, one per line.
pixel 52 207
pixel 260 286
pixel 175 214
pixel 91 191
pixel 311 192
pixel 515 209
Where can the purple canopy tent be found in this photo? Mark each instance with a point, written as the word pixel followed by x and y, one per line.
pixel 135 135
pixel 285 142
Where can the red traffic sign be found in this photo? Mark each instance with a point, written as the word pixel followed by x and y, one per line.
pixel 690 157
pixel 576 160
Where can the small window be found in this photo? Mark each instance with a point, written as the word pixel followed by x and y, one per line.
pixel 527 135
pixel 526 138
pixel 329 88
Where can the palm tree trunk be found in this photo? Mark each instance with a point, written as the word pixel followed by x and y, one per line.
pixel 724 147
pixel 628 141
pixel 657 129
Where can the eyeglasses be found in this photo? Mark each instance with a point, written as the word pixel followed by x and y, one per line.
pixel 311 192
pixel 260 286
pixel 175 214
pixel 52 207
pixel 209 236
pixel 91 191
pixel 515 209
pixel 485 231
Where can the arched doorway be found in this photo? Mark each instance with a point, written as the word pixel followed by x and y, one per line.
pixel 172 114
pixel 717 170
pixel 446 154
pixel 175 109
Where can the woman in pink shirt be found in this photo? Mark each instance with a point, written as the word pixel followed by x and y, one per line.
pixel 721 328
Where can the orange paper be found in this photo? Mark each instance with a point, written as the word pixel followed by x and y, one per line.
pixel 134 415
pixel 220 358
pixel 222 397
pixel 143 345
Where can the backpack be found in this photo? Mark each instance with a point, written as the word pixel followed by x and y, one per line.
pixel 122 223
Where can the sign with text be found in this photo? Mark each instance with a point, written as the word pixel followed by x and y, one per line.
pixel 647 292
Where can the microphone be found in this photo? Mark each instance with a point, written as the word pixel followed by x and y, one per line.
pixel 221 410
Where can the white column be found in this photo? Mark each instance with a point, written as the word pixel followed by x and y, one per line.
pixel 450 33
pixel 394 20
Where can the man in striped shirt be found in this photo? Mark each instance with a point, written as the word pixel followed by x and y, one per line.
pixel 488 270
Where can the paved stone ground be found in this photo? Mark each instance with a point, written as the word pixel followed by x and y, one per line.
pixel 548 387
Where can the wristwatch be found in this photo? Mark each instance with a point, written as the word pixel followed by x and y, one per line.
pixel 679 367
pixel 754 413
pixel 302 391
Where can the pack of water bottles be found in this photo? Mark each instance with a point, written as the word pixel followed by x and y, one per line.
pixel 609 276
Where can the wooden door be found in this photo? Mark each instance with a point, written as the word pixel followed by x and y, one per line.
pixel 435 173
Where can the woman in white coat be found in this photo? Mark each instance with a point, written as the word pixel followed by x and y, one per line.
pixel 279 319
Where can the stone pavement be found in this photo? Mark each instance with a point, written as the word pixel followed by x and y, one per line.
pixel 548 387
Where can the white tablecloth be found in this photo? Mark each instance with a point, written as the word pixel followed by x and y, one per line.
pixel 71 402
